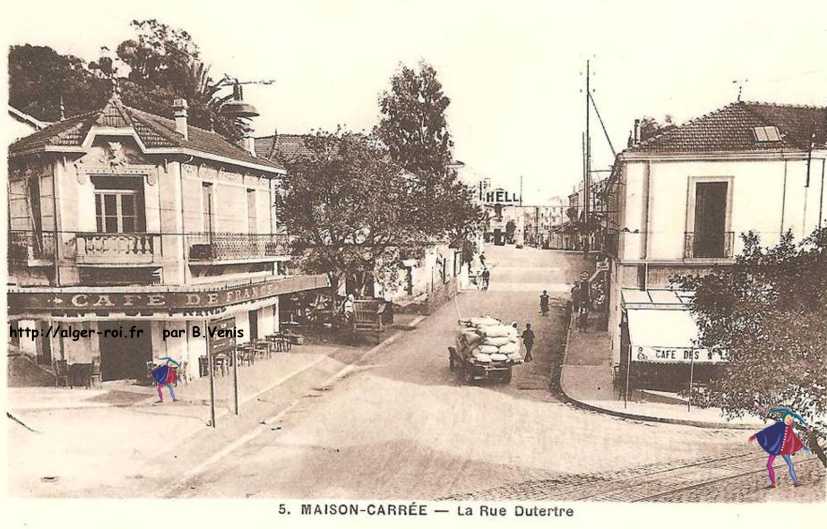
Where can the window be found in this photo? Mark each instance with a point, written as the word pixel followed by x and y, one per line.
pixel 116 211
pixel 252 224
pixel 766 134
pixel 207 206
pixel 119 205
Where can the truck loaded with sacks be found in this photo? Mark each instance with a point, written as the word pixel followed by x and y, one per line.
pixel 486 348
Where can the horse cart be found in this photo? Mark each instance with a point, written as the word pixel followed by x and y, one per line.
pixel 369 317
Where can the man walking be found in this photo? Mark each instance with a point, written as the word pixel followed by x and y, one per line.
pixel 528 341
pixel 486 277
pixel 544 303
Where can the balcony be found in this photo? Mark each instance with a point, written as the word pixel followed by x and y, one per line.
pixel 705 246
pixel 226 246
pixel 28 247
pixel 128 249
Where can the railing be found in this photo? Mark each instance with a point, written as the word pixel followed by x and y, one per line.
pixel 697 246
pixel 225 246
pixel 92 248
pixel 27 245
pixel 117 248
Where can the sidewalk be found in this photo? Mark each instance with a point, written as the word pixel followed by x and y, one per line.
pixel 116 442
pixel 252 381
pixel 586 381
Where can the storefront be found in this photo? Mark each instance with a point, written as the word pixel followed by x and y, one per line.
pixel 659 342
pixel 123 329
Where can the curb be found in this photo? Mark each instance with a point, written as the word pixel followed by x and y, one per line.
pixel 634 416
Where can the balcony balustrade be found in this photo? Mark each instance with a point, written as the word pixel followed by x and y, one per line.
pixel 706 246
pixel 226 246
pixel 118 248
pixel 27 247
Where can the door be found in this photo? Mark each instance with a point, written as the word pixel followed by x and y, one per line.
pixel 710 219
pixel 253 317
pixel 124 357
pixel 44 345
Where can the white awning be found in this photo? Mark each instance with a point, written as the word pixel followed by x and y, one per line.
pixel 667 336
pixel 661 328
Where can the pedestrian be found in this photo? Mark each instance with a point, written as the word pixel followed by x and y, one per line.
pixel 544 303
pixel 585 295
pixel 528 341
pixel 165 375
pixel 779 439
pixel 347 307
pixel 584 306
pixel 482 259
pixel 575 297
pixel 486 277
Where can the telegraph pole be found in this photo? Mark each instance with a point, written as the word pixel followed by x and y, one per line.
pixel 588 142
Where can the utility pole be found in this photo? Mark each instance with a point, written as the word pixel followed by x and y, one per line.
pixel 521 190
pixel 588 142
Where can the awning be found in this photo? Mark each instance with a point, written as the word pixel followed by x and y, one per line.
pixel 661 328
pixel 154 299
pixel 666 336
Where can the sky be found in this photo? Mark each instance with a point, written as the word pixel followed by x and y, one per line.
pixel 515 71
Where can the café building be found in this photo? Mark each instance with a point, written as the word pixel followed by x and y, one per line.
pixel 138 228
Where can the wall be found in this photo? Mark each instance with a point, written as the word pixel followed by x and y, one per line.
pixel 768 196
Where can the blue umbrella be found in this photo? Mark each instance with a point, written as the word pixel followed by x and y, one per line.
pixel 783 411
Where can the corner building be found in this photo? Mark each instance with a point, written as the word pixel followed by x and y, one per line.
pixel 122 219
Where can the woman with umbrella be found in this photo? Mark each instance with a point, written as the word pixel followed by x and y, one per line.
pixel 780 439
pixel 165 375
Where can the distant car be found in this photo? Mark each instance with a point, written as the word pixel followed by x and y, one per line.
pixel 518 245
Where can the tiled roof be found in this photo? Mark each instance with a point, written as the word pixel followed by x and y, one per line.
pixel 282 147
pixel 731 128
pixel 154 131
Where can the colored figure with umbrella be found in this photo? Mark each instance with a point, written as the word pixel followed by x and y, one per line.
pixel 165 375
pixel 780 439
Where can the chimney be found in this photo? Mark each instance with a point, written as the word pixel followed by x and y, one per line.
pixel 637 132
pixel 180 108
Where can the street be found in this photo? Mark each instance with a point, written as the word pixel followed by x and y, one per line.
pixel 401 426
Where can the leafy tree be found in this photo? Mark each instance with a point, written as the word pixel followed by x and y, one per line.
pixel 464 219
pixel 39 77
pixel 769 313
pixel 413 123
pixel 347 206
pixel 160 64
pixel 164 63
pixel 414 128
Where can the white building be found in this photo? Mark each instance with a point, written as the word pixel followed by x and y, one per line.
pixel 681 200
